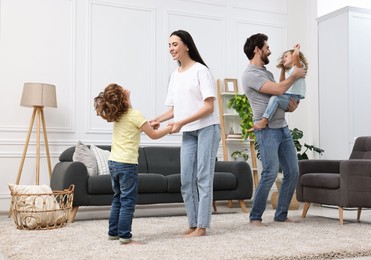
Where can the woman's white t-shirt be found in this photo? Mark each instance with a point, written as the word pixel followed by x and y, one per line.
pixel 187 92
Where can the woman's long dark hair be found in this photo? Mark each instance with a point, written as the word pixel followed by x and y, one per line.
pixel 188 41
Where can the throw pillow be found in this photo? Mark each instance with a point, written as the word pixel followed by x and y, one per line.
pixel 102 159
pixel 83 154
pixel 33 211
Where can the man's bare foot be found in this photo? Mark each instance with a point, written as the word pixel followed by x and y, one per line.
pixel 189 231
pixel 198 232
pixel 257 223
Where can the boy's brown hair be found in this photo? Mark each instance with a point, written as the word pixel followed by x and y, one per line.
pixel 112 103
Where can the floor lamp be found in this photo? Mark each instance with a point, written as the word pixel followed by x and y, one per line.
pixel 38 96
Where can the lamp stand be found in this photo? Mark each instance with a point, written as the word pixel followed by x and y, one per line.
pixel 38 112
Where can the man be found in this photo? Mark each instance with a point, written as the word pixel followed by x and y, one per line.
pixel 276 145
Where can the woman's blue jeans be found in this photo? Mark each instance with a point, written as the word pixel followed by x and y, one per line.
pixel 124 179
pixel 276 148
pixel 198 156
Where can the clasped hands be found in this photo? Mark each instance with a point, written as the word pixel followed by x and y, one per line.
pixel 175 126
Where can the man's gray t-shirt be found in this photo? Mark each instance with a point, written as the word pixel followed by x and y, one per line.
pixel 252 80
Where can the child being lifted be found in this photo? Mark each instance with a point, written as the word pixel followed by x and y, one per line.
pixel 286 63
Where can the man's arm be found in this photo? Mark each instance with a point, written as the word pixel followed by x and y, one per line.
pixel 274 88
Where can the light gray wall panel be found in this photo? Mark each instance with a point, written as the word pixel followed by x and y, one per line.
pixel 37 46
pixel 121 51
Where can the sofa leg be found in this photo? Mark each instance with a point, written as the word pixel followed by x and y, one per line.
pixel 305 209
pixel 243 206
pixel 214 206
pixel 359 213
pixel 341 215
pixel 72 216
pixel 230 204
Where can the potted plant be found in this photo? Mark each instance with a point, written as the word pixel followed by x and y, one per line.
pixel 241 104
pixel 242 154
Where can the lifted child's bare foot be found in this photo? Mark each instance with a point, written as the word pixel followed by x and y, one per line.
pixel 198 232
pixel 189 231
pixel 259 125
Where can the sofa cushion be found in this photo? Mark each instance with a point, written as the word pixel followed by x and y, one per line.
pixel 224 181
pixel 151 183
pixel 173 183
pixel 83 154
pixel 163 159
pixel 101 157
pixel 100 184
pixel 321 180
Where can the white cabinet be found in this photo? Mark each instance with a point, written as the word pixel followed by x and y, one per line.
pixel 344 40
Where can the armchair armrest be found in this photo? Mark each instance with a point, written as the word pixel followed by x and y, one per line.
pixel 318 166
pixel 355 183
pixel 355 175
pixel 67 173
pixel 242 171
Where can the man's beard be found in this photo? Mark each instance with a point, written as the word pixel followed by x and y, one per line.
pixel 265 60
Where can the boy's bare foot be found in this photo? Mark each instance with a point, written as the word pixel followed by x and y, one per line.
pixel 189 231
pixel 132 242
pixel 198 232
pixel 257 223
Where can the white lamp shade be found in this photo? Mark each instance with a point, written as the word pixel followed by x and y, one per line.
pixel 38 94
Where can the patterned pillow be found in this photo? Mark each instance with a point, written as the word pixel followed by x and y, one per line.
pixel 102 159
pixel 83 154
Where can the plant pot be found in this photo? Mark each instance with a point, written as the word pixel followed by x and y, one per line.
pixel 294 204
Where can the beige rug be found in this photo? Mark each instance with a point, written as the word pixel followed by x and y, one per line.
pixel 231 237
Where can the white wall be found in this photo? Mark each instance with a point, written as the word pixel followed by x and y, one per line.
pixel 302 28
pixel 81 46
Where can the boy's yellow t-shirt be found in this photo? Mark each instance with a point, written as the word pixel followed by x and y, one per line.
pixel 126 137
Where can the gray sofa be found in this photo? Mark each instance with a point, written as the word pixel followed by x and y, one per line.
pixel 159 179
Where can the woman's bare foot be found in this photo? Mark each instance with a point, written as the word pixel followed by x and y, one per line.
pixel 198 232
pixel 257 223
pixel 189 231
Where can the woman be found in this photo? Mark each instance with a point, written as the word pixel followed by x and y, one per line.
pixel 190 98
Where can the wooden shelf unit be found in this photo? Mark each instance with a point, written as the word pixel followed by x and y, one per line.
pixel 226 117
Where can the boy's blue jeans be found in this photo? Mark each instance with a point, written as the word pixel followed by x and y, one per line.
pixel 124 179
pixel 276 148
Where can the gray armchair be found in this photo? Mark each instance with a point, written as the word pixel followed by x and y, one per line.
pixel 343 183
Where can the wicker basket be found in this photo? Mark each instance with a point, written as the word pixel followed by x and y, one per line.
pixel 42 211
